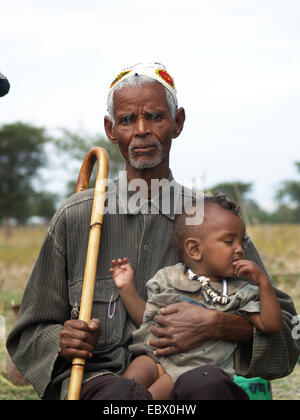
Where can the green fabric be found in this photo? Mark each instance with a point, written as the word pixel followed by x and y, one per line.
pixel 256 388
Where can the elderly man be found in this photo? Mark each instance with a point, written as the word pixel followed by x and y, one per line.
pixel 143 120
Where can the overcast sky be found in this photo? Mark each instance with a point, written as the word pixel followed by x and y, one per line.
pixel 236 66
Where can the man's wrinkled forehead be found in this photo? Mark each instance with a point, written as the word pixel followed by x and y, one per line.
pixel 146 97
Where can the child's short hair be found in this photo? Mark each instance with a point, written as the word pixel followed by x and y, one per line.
pixel 180 228
pixel 224 202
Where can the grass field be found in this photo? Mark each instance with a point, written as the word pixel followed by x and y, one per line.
pixel 279 247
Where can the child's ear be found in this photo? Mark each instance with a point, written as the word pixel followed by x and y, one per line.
pixel 193 248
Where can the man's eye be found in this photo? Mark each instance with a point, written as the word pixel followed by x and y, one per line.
pixel 127 119
pixel 154 116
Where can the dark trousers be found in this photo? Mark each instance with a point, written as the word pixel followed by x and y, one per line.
pixel 204 383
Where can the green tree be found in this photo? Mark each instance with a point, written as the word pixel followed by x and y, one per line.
pixel 77 145
pixel 288 197
pixel 237 191
pixel 290 190
pixel 285 214
pixel 44 204
pixel 22 154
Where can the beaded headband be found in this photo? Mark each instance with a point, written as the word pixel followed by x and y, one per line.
pixel 154 70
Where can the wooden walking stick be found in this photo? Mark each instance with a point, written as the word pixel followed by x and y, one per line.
pixel 99 154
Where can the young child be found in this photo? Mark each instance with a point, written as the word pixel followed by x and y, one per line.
pixel 210 276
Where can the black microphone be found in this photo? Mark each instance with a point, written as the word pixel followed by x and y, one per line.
pixel 4 85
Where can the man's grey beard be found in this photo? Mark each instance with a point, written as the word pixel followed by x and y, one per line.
pixel 140 163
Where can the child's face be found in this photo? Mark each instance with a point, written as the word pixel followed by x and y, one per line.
pixel 221 239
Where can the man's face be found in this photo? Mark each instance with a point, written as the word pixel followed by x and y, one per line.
pixel 143 127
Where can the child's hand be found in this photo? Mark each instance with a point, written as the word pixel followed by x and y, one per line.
pixel 249 269
pixel 122 272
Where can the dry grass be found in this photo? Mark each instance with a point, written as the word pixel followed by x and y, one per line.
pixel 287 388
pixel 279 247
pixel 18 253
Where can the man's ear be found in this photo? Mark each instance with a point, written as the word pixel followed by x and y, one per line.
pixel 108 125
pixel 193 249
pixel 179 122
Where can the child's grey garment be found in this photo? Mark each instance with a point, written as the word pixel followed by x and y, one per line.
pixel 170 285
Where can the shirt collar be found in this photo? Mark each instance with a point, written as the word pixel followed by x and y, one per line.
pixel 167 202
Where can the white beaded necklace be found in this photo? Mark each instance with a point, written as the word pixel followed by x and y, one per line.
pixel 208 292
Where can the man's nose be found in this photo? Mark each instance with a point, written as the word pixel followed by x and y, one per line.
pixel 141 127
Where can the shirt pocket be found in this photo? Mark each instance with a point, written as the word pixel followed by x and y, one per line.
pixel 107 307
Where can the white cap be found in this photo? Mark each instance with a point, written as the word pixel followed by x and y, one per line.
pixel 156 71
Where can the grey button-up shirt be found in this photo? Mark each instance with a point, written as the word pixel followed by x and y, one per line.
pixel 53 294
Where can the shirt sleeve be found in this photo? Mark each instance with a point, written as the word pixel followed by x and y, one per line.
pixel 34 342
pixel 160 294
pixel 141 337
pixel 248 298
pixel 269 356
